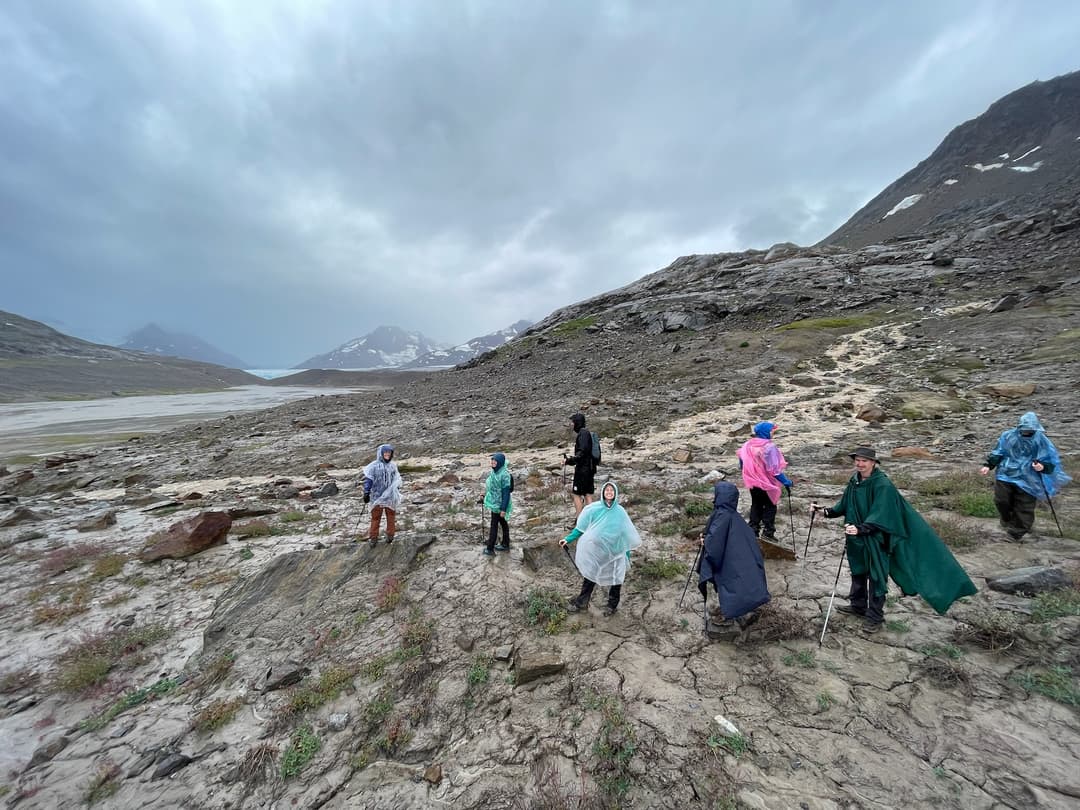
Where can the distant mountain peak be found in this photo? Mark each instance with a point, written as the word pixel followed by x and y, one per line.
pixel 383 347
pixel 464 352
pixel 1020 154
pixel 152 339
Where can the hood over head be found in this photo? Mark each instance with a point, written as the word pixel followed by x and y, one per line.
pixel 1029 421
pixel 614 500
pixel 382 449
pixel 500 460
pixel 763 430
pixel 725 495
pixel 578 420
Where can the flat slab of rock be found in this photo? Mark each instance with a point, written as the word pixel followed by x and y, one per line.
pixel 1030 581
pixel 532 665
pixel 21 514
pixel 188 537
pixel 1009 390
pixel 96 523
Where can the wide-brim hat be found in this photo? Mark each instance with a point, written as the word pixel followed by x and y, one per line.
pixel 864 452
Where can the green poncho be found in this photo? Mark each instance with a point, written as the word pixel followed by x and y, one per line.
pixel 901 544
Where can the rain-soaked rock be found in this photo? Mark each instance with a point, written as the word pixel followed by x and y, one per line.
pixel 45 753
pixel 96 523
pixel 21 514
pixel 530 665
pixel 284 674
pixel 187 537
pixel 171 764
pixel 246 511
pixel 1009 390
pixel 1030 581
pixel 327 490
pixel 871 413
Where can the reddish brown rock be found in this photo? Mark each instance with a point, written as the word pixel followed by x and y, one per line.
pixel 871 413
pixel 187 537
pixel 911 452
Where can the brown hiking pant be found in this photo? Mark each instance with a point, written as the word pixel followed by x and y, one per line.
pixel 376 518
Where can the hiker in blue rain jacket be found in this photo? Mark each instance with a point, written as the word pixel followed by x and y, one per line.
pixel 497 500
pixel 732 559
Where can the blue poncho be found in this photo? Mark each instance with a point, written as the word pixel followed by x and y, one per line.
pixel 1014 454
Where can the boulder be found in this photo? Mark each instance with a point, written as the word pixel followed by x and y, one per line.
pixel 326 490
pixel 284 674
pixel 96 523
pixel 871 413
pixel 623 442
pixel 683 455
pixel 930 405
pixel 1030 581
pixel 187 537
pixel 544 554
pixel 534 664
pixel 21 514
pixel 1009 390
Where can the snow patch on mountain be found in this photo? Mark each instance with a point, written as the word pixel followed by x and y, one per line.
pixel 907 202
pixel 462 353
pixel 385 347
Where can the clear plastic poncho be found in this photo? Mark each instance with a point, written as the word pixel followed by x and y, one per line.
pixel 385 480
pixel 607 536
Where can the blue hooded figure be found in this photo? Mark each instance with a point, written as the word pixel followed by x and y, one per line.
pixel 1027 469
pixel 732 559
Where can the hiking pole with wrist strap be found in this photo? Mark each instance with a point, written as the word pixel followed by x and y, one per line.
pixel 791 518
pixel 1050 502
pixel 813 514
pixel 570 557
pixel 690 574
pixel 828 611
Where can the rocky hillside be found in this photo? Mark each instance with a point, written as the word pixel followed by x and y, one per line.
pixel 40 363
pixel 152 339
pixel 1022 154
pixel 385 347
pixel 456 355
pixel 191 624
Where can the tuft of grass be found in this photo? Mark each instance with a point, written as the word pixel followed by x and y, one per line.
pixel 89 662
pixel 389 594
pixel 479 671
pixel 1057 683
pixel 69 602
pixel 302 747
pixel 953 532
pixel 976 504
pixel 613 750
pixel 108 566
pixel 405 469
pixel 257 763
pixel 329 685
pixel 217 714
pixel 964 492
pixel 898 626
pixel 736 744
pixel 103 784
pixel 1055 604
pixel 545 608
pixel 374 668
pixel 657 568
pixel 800 658
pixel 254 528
pixel 293 516
pixel 216 670
pixel 417 633
pixel 129 700
pixel 995 630
pixel 395 736
pixel 942 651
pixel 571 327
pixel 378 709
pixel 825 700
pixel 679 526
pixel 697 509
pixel 245 553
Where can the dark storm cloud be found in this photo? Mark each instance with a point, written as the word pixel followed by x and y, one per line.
pixel 279 177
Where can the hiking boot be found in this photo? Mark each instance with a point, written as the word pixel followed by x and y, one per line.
pixel 870 627
pixel 1015 535
pixel 746 620
pixel 373 540
pixel 770 536
pixel 488 552
pixel 851 610
pixel 610 611
pixel 573 606
pixel 716 613
pixel 389 539
pixel 502 547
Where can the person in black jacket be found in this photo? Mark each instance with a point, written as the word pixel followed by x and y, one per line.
pixel 582 460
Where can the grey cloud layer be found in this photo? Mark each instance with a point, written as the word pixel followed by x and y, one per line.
pixel 279 177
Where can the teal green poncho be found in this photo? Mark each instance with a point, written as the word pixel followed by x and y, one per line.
pixel 901 545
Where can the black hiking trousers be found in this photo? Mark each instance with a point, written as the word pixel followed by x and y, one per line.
pixel 762 512
pixel 587 585
pixel 498 520
pixel 1016 507
pixel 863 600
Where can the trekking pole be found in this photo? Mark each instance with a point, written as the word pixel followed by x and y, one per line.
pixel 570 557
pixel 828 611
pixel 1050 503
pixel 360 519
pixel 813 514
pixel 791 518
pixel 690 574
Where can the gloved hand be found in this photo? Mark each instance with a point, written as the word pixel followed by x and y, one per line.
pixel 367 497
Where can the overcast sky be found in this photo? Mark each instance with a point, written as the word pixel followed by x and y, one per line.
pixel 279 177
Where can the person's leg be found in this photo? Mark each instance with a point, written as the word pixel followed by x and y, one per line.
pixel 505 544
pixel 768 518
pixel 1003 501
pixel 1023 512
pixel 376 519
pixel 391 525
pixel 857 596
pixel 493 533
pixel 582 600
pixel 613 594
pixel 756 496
pixel 875 606
pixel 579 504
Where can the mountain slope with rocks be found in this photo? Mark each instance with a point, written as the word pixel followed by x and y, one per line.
pixel 41 363
pixel 384 347
pixel 152 339
pixel 191 622
pixel 463 353
pixel 1022 153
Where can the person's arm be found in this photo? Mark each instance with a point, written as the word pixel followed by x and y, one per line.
pixel 570 538
pixel 504 501
pixel 784 480
pixel 367 489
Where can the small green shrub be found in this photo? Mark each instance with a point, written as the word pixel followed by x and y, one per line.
pixel 658 568
pixel 378 708
pixel 545 608
pixel 860 321
pixel 1055 604
pixel 103 784
pixel 245 553
pixel 406 468
pixel 299 752
pixel 825 701
pixel 88 663
pixel 326 688
pixel 898 626
pixel 479 671
pixel 942 651
pixel 130 700
pixel 571 327
pixel 800 658
pixel 293 517
pixel 1056 683
pixel 953 532
pixel 736 744
pixel 697 509
pixel 976 504
pixel 108 566
pixel 389 594
pixel 217 714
